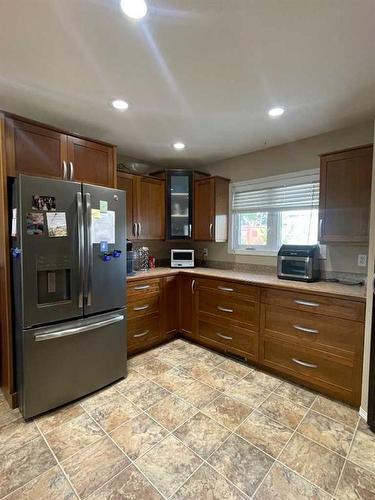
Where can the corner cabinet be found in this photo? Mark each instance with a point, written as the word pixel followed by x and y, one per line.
pixel 345 194
pixel 211 205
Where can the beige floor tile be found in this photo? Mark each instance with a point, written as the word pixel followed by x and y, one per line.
pixel 227 411
pixel 265 433
pixel 114 413
pixel 235 368
pixel 248 394
pixel 168 465
pixel 355 484
pixel 173 380
pixel 51 485
pixel 24 464
pixel 283 484
pixel 327 432
pixel 206 484
pixel 7 414
pixel 315 463
pixel 175 358
pixel 198 394
pixel 219 379
pixel 297 394
pixel 138 435
pixel 338 411
pixel 241 463
pixel 99 398
pixel 132 380
pixel 363 450
pixel 202 434
pixel 171 412
pixel 263 379
pixel 283 410
pixel 146 394
pixel 130 484
pixel 141 359
pixel 16 434
pixel 196 368
pixel 53 419
pixel 153 368
pixel 89 469
pixel 73 436
pixel 364 427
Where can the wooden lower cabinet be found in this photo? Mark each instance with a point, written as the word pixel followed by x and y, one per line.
pixel 170 306
pixel 187 306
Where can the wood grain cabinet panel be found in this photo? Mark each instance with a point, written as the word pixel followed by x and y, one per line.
pixel 147 305
pixel 143 332
pixel 230 288
pixel 187 306
pixel 128 183
pixel 139 289
pixel 170 305
pixel 151 208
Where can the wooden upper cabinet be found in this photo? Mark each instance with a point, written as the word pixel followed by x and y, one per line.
pixel 128 183
pixel 211 205
pixel 90 162
pixel 345 195
pixel 34 150
pixel 151 208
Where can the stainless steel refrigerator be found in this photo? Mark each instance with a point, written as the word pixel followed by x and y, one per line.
pixel 69 285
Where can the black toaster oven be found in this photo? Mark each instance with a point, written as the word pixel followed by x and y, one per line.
pixel 299 262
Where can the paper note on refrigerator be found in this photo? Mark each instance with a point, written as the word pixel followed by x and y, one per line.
pixel 103 227
pixel 56 224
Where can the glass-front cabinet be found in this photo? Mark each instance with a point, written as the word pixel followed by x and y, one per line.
pixel 179 204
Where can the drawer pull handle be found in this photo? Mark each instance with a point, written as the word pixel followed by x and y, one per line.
pixel 141 287
pixel 141 334
pixel 303 363
pixel 141 308
pixel 305 303
pixel 225 289
pixel 225 337
pixel 306 330
pixel 224 309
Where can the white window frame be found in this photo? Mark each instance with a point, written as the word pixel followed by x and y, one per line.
pixel 303 176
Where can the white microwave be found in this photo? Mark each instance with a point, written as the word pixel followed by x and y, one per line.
pixel 182 258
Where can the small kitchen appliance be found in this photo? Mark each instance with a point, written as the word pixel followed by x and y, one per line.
pixel 182 258
pixel 298 262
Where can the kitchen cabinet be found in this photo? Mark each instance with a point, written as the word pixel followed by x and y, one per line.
pixel 128 183
pixel 187 306
pixel 211 205
pixel 345 194
pixel 170 305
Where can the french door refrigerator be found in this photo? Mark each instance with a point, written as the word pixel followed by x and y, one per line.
pixel 69 279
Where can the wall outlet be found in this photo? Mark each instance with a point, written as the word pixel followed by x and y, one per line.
pixel 362 260
pixel 205 252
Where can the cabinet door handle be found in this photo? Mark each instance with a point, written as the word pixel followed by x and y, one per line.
pixel 192 286
pixel 225 289
pixel 139 229
pixel 224 309
pixel 141 287
pixel 134 229
pixel 305 303
pixel 210 229
pixel 320 230
pixel 141 334
pixel 190 230
pixel 65 170
pixel 303 363
pixel 141 308
pixel 225 337
pixel 71 170
pixel 306 330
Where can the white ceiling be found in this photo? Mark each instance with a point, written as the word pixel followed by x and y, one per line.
pixel 201 71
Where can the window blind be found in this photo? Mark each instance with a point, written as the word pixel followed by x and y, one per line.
pixel 277 198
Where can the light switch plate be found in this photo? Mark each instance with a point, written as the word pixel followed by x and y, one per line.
pixel 362 260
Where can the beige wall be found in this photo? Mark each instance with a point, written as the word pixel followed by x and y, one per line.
pixel 292 157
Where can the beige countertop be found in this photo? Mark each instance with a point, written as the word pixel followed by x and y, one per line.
pixel 267 280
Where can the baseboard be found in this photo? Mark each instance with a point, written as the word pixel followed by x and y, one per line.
pixel 363 414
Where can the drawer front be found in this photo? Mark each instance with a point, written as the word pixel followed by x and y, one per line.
pixel 230 288
pixel 314 330
pixel 232 308
pixel 143 332
pixel 318 368
pixel 315 304
pixel 141 307
pixel 139 288
pixel 232 339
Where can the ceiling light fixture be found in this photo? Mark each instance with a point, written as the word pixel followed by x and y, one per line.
pixel 179 145
pixel 275 112
pixel 136 9
pixel 120 104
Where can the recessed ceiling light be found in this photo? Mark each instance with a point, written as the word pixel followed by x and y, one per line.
pixel 179 145
pixel 136 9
pixel 120 104
pixel 275 112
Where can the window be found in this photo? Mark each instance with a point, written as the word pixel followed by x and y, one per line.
pixel 269 212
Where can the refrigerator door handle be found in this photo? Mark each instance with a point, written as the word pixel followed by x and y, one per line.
pixel 81 237
pixel 40 337
pixel 89 254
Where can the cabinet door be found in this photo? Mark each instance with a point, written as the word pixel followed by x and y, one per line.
pixel 34 150
pixel 91 162
pixel 151 208
pixel 170 304
pixel 204 209
pixel 187 305
pixel 128 183
pixel 345 191
pixel 179 205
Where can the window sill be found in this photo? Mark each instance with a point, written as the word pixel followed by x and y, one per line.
pixel 264 253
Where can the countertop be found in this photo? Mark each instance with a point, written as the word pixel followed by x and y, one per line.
pixel 357 293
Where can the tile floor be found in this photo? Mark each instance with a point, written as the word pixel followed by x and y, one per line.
pixel 188 423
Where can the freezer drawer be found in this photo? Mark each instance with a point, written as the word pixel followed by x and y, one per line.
pixel 68 361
